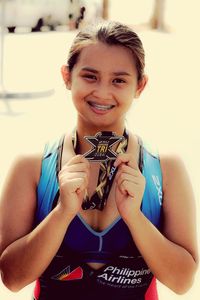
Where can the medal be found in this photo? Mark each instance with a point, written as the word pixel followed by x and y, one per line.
pixel 103 153
pixel 102 144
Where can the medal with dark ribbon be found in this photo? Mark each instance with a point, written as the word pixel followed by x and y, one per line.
pixel 102 152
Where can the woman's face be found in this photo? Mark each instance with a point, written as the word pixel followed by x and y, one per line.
pixel 103 83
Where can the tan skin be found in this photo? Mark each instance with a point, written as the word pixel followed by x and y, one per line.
pixel 98 82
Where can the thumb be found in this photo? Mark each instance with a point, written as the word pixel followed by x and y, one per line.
pixel 127 159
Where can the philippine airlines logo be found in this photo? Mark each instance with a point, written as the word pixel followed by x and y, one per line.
pixel 67 274
pixel 121 277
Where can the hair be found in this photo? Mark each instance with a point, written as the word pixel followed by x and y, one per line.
pixel 109 33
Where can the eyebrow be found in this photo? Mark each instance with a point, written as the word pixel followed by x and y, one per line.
pixel 119 73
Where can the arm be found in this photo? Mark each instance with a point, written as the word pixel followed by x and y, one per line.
pixel 171 256
pixel 25 253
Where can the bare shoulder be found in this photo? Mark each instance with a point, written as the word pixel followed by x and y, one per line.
pixel 179 207
pixel 18 198
pixel 172 166
pixel 24 168
pixel 177 186
pixel 29 164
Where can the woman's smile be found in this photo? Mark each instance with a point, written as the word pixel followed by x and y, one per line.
pixel 100 108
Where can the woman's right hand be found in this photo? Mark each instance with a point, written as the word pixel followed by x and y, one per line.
pixel 73 181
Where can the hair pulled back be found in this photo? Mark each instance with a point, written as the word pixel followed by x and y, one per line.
pixel 109 33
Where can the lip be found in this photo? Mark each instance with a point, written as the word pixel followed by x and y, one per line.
pixel 93 106
pixel 98 111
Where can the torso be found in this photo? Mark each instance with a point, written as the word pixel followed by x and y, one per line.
pixel 89 237
pixel 99 220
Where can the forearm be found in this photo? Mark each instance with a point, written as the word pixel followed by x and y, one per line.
pixel 25 259
pixel 173 265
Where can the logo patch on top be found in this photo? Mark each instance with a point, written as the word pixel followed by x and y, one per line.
pixel 67 274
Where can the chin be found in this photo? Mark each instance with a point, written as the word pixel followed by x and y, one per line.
pixel 105 127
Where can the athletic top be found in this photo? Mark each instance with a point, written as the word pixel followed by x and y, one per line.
pixel 125 274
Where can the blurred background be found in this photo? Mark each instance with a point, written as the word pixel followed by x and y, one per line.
pixel 35 36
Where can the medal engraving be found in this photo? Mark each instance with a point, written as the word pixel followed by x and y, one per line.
pixel 102 144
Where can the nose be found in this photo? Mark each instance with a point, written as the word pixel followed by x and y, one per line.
pixel 102 91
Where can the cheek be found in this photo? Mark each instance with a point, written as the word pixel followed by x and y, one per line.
pixel 76 95
pixel 79 87
pixel 76 89
pixel 132 91
pixel 79 93
pixel 127 95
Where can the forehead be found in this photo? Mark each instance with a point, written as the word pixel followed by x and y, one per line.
pixel 107 57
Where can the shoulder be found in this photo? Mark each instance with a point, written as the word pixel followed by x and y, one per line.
pixel 25 167
pixel 29 165
pixel 177 187
pixel 171 164
pixel 18 198
pixel 169 160
pixel 173 171
pixel 173 167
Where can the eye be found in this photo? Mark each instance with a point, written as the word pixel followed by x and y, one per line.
pixel 119 80
pixel 89 77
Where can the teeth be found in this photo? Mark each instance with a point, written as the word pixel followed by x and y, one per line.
pixel 101 107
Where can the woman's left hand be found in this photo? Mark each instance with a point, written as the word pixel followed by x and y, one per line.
pixel 130 185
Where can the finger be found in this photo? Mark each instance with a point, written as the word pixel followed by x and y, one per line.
pixel 129 188
pixel 127 177
pixel 79 167
pixel 122 189
pixel 78 159
pixel 83 187
pixel 66 177
pixel 128 159
pixel 76 167
pixel 74 184
pixel 123 168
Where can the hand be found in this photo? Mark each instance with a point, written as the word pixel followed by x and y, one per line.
pixel 73 181
pixel 130 185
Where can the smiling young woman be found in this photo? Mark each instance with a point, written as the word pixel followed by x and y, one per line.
pixel 103 91
pixel 103 227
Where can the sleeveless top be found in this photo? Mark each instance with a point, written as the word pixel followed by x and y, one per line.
pixel 125 274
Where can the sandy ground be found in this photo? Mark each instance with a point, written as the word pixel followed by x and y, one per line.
pixel 167 114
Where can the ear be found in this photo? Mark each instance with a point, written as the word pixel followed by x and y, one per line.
pixel 141 85
pixel 66 75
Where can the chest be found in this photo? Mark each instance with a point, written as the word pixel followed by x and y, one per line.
pixel 96 219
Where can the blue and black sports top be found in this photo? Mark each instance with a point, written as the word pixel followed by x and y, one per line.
pixel 125 274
